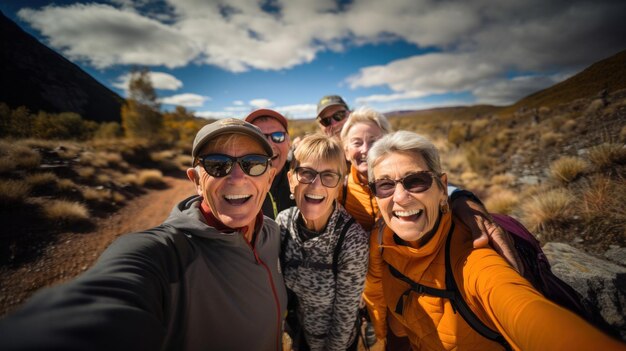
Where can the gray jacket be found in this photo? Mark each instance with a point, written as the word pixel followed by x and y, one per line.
pixel 180 286
pixel 327 305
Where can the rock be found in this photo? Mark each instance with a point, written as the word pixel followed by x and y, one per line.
pixel 529 180
pixel 616 254
pixel 601 282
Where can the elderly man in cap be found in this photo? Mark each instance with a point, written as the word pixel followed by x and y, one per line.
pixel 332 113
pixel 207 278
pixel 274 126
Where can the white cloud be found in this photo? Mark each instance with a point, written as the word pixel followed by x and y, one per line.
pixel 160 80
pixel 187 100
pixel 238 103
pixel 475 45
pixel 104 36
pixel 298 111
pixel 260 103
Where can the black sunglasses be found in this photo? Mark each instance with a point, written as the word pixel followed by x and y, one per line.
pixel 276 137
pixel 220 165
pixel 414 182
pixel 337 116
pixel 307 175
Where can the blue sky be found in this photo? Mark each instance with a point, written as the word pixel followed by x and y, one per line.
pixel 226 58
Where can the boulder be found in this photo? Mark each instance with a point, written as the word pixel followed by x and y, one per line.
pixel 599 281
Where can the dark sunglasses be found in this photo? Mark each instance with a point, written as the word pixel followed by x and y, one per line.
pixel 220 165
pixel 414 182
pixel 276 137
pixel 307 175
pixel 337 116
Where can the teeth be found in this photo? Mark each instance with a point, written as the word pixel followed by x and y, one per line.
pixel 236 197
pixel 406 213
pixel 314 197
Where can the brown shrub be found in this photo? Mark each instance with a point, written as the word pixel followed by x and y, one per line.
pixel 150 177
pixel 13 192
pixel 545 208
pixel 567 169
pixel 63 210
pixel 606 155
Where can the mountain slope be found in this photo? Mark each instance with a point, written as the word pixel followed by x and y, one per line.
pixel 33 75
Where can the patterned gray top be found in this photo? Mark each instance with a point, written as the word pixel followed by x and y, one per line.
pixel 327 309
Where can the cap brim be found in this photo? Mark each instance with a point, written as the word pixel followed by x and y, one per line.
pixel 235 129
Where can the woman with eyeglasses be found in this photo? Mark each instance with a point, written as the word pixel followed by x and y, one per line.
pixel 408 262
pixel 324 251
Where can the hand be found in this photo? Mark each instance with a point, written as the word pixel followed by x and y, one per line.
pixel 486 231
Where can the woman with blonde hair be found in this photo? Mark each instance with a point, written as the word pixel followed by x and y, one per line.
pixel 324 255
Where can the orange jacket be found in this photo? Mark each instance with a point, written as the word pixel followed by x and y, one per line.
pixel 496 293
pixel 360 202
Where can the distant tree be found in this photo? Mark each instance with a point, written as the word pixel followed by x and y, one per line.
pixel 181 126
pixel 140 114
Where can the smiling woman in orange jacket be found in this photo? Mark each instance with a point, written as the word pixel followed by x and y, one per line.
pixel 406 178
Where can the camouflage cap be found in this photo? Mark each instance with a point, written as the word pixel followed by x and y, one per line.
pixel 330 100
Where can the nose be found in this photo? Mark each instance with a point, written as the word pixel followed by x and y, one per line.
pixel 399 194
pixel 237 173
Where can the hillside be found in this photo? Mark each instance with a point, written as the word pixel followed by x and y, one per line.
pixel 33 75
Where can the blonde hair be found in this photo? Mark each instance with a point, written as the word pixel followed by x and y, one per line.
pixel 365 115
pixel 319 147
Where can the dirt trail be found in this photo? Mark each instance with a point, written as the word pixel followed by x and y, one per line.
pixel 72 253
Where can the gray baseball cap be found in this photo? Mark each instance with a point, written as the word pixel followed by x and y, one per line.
pixel 330 100
pixel 229 126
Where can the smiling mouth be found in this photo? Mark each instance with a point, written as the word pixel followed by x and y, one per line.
pixel 315 199
pixel 237 199
pixel 408 215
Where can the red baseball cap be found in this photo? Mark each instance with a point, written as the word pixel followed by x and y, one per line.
pixel 266 112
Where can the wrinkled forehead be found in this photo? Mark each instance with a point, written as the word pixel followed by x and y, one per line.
pixel 233 144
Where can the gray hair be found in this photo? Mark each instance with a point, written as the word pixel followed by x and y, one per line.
pixel 408 143
pixel 364 115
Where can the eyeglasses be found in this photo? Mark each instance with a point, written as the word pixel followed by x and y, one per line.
pixel 307 175
pixel 337 116
pixel 276 137
pixel 219 165
pixel 415 183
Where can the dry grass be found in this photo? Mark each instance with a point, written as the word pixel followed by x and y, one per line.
pixel 595 106
pixel 63 210
pixel 14 156
pixel 567 169
pixel 551 206
pixel 13 192
pixel 128 179
pixel 551 138
pixel 501 200
pixel 504 179
pixel 42 180
pixel 91 194
pixel 85 172
pixel 606 155
pixel 66 185
pixel 603 197
pixel 569 126
pixel 150 177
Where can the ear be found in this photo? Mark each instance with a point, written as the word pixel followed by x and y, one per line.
pixel 272 171
pixel 292 181
pixel 195 179
pixel 444 181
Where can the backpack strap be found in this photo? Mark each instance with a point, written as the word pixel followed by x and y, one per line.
pixel 340 240
pixel 461 305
